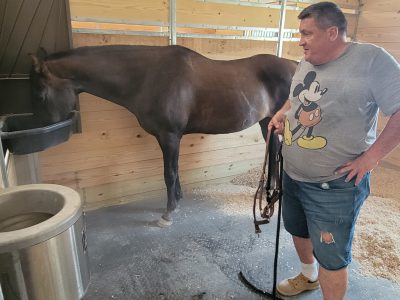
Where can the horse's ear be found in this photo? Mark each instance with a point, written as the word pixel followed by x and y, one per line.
pixel 39 66
pixel 42 53
pixel 35 62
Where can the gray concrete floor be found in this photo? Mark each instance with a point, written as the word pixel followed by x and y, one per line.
pixel 198 257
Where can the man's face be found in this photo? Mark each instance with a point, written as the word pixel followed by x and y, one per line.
pixel 316 42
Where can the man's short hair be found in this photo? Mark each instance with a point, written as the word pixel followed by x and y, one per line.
pixel 325 14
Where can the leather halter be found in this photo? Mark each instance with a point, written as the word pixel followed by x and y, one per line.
pixel 272 191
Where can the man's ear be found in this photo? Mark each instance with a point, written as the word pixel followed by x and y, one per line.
pixel 333 33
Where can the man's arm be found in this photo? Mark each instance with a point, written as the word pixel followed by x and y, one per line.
pixel 385 143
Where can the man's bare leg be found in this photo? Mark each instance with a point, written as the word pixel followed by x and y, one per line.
pixel 333 283
pixel 304 249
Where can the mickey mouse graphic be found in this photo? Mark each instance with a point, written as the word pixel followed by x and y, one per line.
pixel 308 114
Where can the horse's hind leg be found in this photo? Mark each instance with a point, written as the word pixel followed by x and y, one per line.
pixel 178 190
pixel 169 143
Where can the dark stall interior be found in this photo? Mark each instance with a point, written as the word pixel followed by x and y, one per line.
pixel 29 26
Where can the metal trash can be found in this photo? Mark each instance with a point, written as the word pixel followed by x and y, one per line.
pixel 43 249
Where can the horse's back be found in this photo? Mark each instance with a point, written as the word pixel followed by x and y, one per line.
pixel 233 95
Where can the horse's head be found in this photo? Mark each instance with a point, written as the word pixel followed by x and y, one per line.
pixel 53 98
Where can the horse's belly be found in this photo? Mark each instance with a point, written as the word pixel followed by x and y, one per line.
pixel 219 124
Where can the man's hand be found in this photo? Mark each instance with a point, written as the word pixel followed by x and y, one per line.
pixel 358 167
pixel 278 120
pixel 386 142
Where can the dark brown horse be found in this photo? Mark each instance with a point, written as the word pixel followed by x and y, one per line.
pixel 171 90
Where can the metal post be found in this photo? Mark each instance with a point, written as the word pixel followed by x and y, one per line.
pixel 172 22
pixel 281 28
pixel 3 166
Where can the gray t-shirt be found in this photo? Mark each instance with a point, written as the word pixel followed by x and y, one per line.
pixel 334 110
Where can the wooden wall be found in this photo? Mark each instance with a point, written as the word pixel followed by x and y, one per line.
pixel 379 23
pixel 113 160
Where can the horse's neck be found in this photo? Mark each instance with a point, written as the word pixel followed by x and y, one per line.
pixel 88 75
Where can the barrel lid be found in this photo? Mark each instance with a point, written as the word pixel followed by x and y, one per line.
pixel 67 215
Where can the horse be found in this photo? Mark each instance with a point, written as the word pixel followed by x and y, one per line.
pixel 171 90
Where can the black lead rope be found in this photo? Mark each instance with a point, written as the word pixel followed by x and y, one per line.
pixel 278 226
pixel 278 196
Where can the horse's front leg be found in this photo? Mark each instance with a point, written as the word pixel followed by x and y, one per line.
pixel 169 143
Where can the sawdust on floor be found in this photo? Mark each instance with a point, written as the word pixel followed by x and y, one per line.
pixel 377 238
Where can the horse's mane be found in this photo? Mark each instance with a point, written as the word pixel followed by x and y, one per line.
pixel 109 48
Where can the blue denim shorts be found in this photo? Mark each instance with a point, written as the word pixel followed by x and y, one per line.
pixel 326 213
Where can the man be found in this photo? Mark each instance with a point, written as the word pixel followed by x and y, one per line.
pixel 330 146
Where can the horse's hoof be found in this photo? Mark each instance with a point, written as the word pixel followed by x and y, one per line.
pixel 164 223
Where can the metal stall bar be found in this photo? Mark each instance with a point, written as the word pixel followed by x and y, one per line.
pixel 3 167
pixel 85 25
pixel 172 22
pixel 281 28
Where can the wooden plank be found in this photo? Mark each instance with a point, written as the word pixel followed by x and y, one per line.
pixel 148 167
pixel 152 28
pixel 379 19
pixel 292 51
pixel 231 15
pixel 117 119
pixel 379 34
pixel 350 4
pixel 146 10
pixel 348 9
pixel 114 26
pixel 234 49
pixel 188 11
pixel 381 5
pixel 103 139
pixel 153 183
pixel 92 103
pixel 132 137
pixel 54 162
pixel 160 194
pixel 351 25
pixel 227 49
pixel 83 39
pixel 379 23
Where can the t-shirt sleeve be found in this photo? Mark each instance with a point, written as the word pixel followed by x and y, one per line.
pixel 384 82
